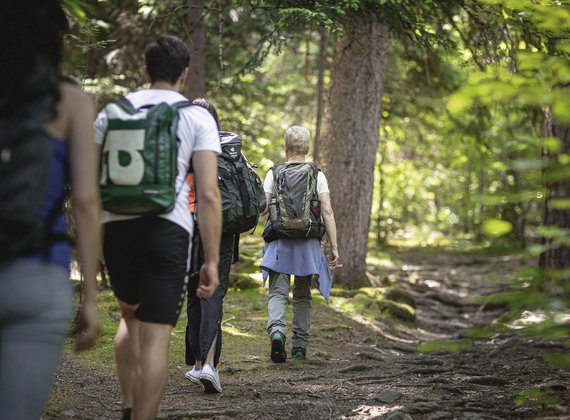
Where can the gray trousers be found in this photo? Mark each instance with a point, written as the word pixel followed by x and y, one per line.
pixel 35 310
pixel 279 285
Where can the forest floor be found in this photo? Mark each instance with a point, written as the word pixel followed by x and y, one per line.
pixel 363 363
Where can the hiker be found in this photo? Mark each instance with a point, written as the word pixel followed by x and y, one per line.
pixel 297 193
pixel 46 144
pixel 145 248
pixel 204 328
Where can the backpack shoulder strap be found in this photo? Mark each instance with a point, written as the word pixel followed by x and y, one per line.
pixel 124 103
pixel 315 169
pixel 182 104
pixel 276 168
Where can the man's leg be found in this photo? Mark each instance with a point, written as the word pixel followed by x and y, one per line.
pixel 301 312
pixel 127 351
pixel 152 375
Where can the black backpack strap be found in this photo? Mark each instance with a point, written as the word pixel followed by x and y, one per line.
pixel 125 102
pixel 243 190
pixel 178 105
pixel 275 169
pixel 235 257
pixel 316 174
pixel 182 104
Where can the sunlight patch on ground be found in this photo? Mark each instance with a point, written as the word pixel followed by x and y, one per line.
pixel 529 318
pixel 230 329
pixel 372 411
pixel 356 317
pixel 256 276
pixel 432 284
pixel 379 261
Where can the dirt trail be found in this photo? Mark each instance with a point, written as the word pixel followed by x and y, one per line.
pixel 360 369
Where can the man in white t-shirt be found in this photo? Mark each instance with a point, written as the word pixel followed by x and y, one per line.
pixel 147 256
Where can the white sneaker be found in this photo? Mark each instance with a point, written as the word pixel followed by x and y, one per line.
pixel 210 379
pixel 194 375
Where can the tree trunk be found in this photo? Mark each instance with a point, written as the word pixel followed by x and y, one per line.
pixel 557 188
pixel 196 84
pixel 323 41
pixel 381 225
pixel 349 141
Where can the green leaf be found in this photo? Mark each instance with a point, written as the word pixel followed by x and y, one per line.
pixel 459 102
pixel 561 108
pixel 445 346
pixel 560 203
pixel 552 143
pixel 497 227
pixel 558 360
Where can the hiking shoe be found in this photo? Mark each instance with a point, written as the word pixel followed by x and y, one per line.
pixel 278 354
pixel 298 353
pixel 194 375
pixel 210 379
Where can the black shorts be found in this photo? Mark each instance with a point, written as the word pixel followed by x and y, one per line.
pixel 147 262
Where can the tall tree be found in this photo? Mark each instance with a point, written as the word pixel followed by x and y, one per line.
pixel 350 136
pixel 321 65
pixel 196 86
pixel 556 206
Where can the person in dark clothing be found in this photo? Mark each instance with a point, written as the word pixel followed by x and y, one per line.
pixel 36 295
pixel 204 328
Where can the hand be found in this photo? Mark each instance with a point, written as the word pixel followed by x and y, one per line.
pixel 87 327
pixel 209 280
pixel 333 259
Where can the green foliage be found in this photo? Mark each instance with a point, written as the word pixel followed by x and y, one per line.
pixel 535 396
pixel 558 359
pixel 460 158
pixel 496 227
pixel 445 346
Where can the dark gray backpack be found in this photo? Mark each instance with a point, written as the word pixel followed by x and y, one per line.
pixel 295 210
pixel 26 155
pixel 241 189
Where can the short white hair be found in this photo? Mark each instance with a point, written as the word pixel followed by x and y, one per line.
pixel 297 140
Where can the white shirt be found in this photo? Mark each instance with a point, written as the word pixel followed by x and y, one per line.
pixel 197 131
pixel 322 184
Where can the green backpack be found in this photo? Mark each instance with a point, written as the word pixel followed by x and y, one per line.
pixel 139 158
pixel 295 210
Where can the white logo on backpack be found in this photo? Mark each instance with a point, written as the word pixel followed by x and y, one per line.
pixel 124 141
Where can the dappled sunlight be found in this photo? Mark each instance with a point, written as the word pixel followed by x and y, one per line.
pixel 236 332
pixel 372 411
pixel 349 311
pixel 257 276
pixel 530 318
pixel 379 261
pixel 433 284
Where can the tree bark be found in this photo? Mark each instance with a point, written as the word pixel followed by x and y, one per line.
pixel 381 231
pixel 557 187
pixel 350 136
pixel 323 41
pixel 196 84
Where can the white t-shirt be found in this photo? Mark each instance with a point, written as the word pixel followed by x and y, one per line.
pixel 197 131
pixel 322 184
